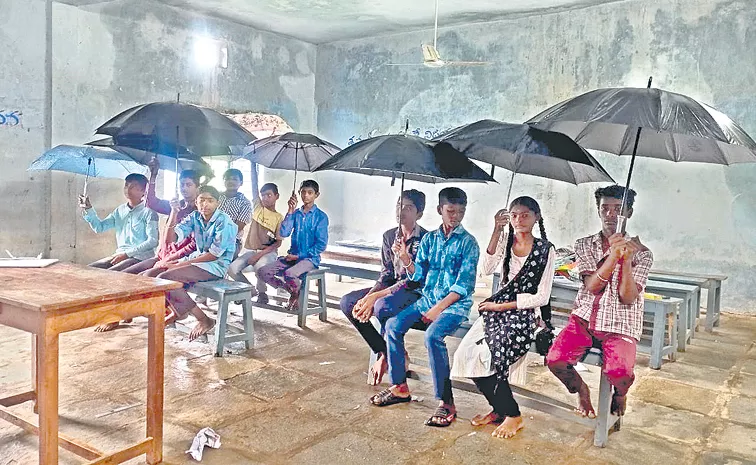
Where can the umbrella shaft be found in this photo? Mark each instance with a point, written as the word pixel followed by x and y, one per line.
pixel 623 211
pixel 509 192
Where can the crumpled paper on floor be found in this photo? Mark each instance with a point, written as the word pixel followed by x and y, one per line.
pixel 205 437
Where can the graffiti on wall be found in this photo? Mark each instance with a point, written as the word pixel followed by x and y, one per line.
pixel 430 133
pixel 10 118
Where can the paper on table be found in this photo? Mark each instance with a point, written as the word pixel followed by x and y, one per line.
pixel 27 262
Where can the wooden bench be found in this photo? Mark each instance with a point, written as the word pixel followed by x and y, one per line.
pixel 306 307
pixel 691 302
pixel 602 424
pixel 225 292
pixel 660 321
pixel 712 283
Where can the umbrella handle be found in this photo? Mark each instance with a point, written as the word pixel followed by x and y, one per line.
pixel 86 179
pixel 509 192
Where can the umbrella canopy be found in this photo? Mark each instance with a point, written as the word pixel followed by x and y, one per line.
pixel 199 129
pixel 98 162
pixel 523 149
pixel 186 159
pixel 290 151
pixel 672 126
pixel 407 157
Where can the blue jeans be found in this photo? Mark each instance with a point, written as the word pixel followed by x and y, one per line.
pixel 435 333
pixel 383 309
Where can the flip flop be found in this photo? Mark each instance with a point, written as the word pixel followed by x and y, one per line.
pixel 441 418
pixel 386 398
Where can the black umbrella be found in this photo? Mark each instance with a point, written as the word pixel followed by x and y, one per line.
pixel 523 149
pixel 290 151
pixel 154 126
pixel 650 123
pixel 185 160
pixel 407 157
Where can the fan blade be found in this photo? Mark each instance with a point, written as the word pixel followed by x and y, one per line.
pixel 467 63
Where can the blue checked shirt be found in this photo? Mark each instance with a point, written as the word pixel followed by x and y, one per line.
pixel 310 233
pixel 218 237
pixel 447 265
pixel 136 229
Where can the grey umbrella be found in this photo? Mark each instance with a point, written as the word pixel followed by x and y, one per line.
pixel 290 151
pixel 650 123
pixel 523 149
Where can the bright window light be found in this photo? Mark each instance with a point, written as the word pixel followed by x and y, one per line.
pixel 210 53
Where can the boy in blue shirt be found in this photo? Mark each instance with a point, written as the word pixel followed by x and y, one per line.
pixel 447 262
pixel 215 234
pixel 308 227
pixel 136 226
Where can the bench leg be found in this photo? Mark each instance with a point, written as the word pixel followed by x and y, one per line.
pixel 601 434
pixel 711 306
pixel 249 324
pixel 303 303
pixel 682 326
pixel 718 303
pixel 322 299
pixel 657 335
pixel 220 326
pixel 692 321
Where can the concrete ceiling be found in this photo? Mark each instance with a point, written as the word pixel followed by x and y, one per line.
pixel 321 21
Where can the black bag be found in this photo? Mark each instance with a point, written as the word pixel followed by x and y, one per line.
pixel 544 336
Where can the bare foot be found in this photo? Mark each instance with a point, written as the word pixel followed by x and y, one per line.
pixel 618 405
pixel 488 418
pixel 508 428
pixel 293 304
pixel 128 321
pixel 379 368
pixel 170 316
pixel 202 327
pixel 585 407
pixel 107 327
pixel 444 415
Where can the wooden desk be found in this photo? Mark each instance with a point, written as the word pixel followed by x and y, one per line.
pixel 65 297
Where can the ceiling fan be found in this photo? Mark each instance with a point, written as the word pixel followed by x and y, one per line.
pixel 431 57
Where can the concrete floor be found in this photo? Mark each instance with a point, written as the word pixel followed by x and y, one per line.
pixel 300 397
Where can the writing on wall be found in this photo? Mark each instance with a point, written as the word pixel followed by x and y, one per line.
pixel 10 117
pixel 431 133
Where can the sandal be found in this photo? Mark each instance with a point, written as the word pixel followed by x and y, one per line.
pixel 386 397
pixel 441 418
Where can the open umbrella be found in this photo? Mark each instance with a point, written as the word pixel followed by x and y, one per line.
pixel 185 161
pixel 290 151
pixel 97 162
pixel 153 126
pixel 407 157
pixel 652 123
pixel 523 149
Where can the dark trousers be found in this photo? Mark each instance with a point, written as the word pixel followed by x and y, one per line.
pixel 499 395
pixel 104 264
pixel 383 309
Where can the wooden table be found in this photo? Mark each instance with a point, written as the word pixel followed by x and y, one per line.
pixel 65 297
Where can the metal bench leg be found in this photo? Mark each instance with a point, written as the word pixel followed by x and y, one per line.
pixel 249 323
pixel 657 336
pixel 322 299
pixel 601 434
pixel 303 302
pixel 220 326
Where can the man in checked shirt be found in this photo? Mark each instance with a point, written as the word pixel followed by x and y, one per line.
pixel 609 306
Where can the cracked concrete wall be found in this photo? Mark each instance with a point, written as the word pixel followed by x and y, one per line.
pixel 25 212
pixel 694 217
pixel 109 58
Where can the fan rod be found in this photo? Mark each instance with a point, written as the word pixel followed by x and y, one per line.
pixel 435 27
